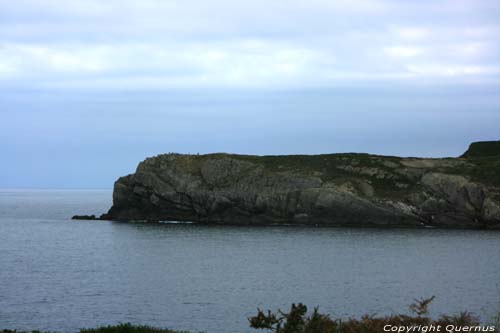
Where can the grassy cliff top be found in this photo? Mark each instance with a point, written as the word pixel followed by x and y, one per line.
pixel 483 162
pixel 390 174
pixel 483 149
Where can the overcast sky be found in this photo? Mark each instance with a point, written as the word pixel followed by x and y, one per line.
pixel 90 88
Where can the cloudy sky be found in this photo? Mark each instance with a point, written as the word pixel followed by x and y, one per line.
pixel 90 88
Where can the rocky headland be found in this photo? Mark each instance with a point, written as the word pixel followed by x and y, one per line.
pixel 331 189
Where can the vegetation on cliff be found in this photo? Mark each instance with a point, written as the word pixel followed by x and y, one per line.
pixel 483 149
pixel 297 320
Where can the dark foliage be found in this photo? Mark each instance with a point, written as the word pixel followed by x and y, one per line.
pixel 128 328
pixel 420 307
pixel 297 320
pixel 120 328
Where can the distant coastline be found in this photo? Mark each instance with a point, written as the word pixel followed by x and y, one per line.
pixel 328 190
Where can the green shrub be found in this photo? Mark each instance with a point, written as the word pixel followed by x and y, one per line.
pixel 128 328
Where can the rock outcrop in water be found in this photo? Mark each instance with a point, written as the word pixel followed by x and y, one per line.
pixel 330 189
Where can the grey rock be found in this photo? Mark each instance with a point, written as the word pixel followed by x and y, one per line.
pixel 234 189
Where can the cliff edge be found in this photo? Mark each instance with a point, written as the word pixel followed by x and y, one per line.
pixel 331 189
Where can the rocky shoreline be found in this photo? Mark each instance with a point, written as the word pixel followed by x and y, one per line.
pixel 326 190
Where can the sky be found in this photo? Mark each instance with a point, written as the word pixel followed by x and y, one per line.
pixel 90 88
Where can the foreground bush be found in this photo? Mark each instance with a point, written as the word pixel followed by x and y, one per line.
pixel 297 321
pixel 129 328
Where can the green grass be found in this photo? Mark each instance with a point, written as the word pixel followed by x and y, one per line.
pixel 485 170
pixel 328 167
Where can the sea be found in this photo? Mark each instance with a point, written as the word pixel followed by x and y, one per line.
pixel 61 275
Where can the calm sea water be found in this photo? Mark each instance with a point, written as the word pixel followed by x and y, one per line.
pixel 62 275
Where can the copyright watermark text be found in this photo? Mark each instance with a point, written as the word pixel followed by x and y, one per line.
pixel 438 328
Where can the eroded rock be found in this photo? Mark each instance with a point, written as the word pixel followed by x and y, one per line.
pixel 238 189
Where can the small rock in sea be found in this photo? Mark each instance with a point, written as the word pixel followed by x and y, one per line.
pixel 84 217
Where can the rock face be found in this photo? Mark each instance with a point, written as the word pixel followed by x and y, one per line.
pixel 333 189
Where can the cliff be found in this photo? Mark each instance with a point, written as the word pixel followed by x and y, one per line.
pixel 330 189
